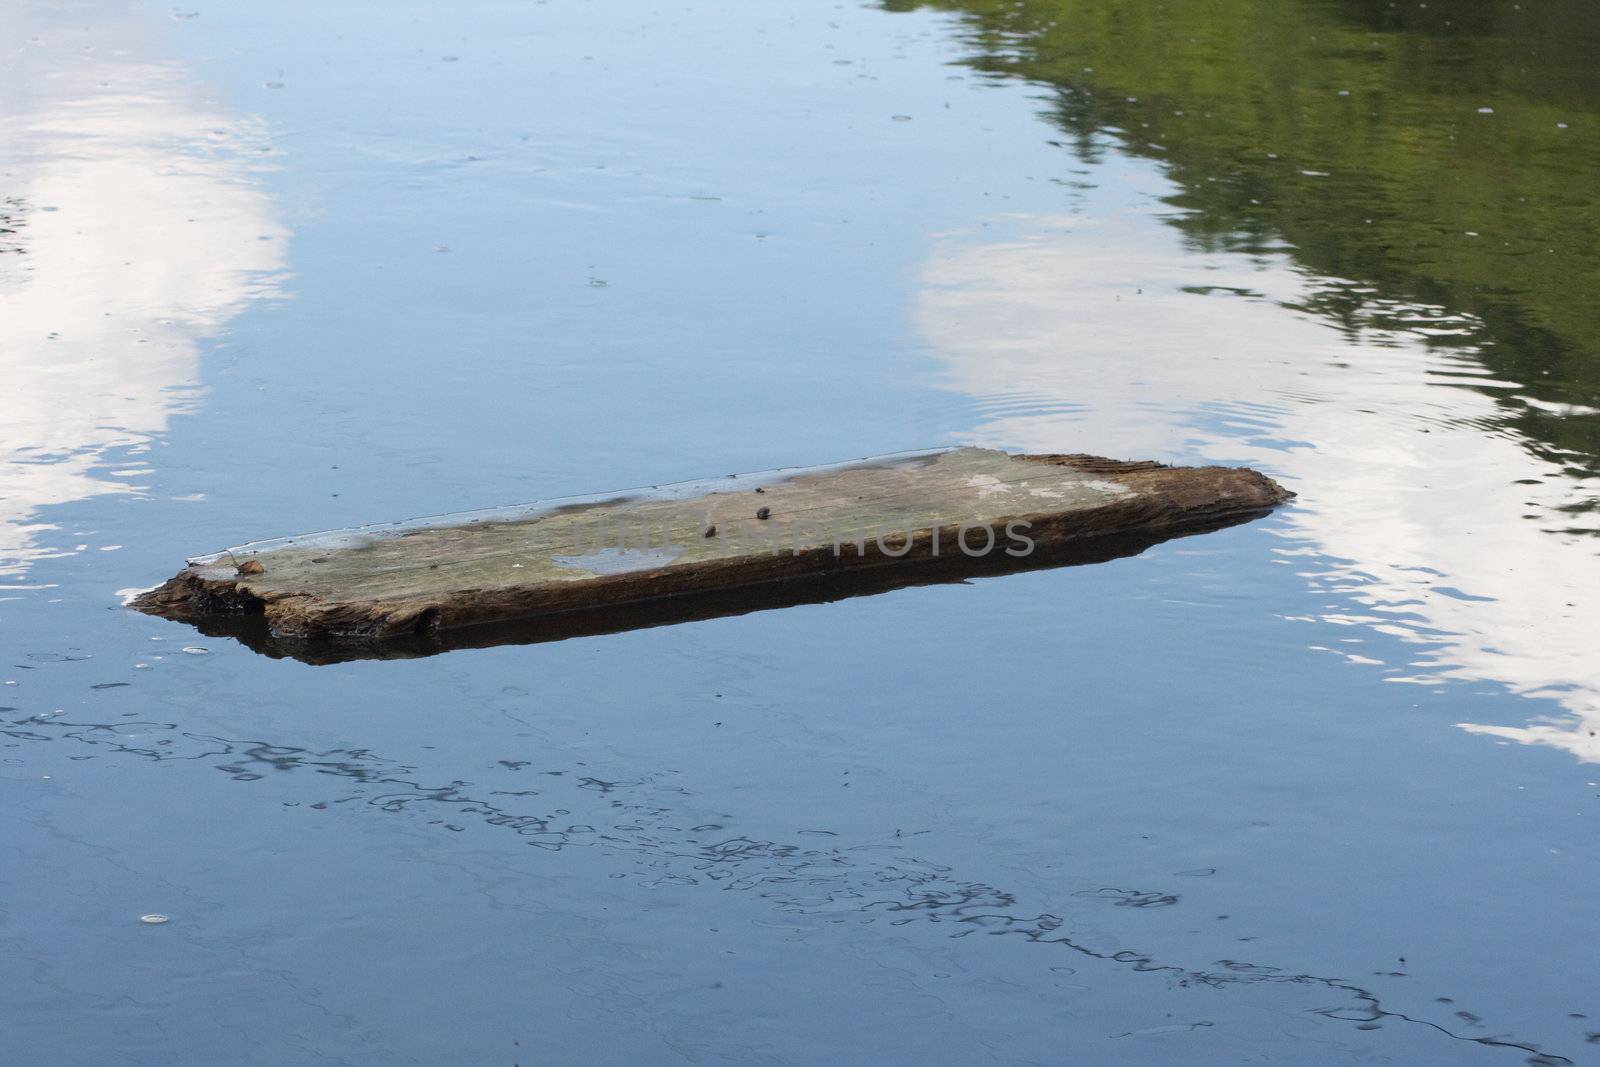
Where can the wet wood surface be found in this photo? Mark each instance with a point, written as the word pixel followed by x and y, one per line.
pixel 694 550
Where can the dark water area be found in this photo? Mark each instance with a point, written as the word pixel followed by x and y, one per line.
pixel 1317 789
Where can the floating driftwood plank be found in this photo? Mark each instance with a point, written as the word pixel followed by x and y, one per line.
pixel 695 550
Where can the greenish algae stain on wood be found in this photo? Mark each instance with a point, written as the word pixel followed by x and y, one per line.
pixel 944 514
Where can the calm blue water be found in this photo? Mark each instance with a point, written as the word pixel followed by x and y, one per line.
pixel 1320 789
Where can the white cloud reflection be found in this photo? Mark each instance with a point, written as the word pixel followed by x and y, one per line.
pixel 1418 506
pixel 140 232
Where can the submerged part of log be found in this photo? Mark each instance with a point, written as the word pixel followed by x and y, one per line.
pixel 695 550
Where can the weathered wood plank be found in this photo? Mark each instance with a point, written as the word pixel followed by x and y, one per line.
pixel 696 549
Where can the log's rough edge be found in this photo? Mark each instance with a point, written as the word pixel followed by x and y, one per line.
pixel 1167 502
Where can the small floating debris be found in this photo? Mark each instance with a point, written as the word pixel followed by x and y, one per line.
pixel 153 919
pixel 196 650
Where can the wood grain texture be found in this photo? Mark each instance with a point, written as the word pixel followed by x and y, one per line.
pixel 696 549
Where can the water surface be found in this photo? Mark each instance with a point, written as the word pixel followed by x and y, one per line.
pixel 1317 789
